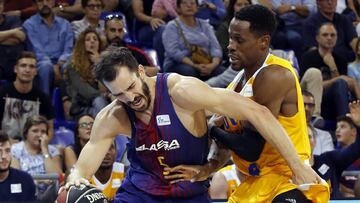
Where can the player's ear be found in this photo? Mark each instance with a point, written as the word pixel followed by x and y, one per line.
pixel 141 71
pixel 265 41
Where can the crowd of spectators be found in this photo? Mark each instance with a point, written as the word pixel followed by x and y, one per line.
pixel 48 44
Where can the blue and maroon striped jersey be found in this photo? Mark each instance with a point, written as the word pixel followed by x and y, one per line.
pixel 164 142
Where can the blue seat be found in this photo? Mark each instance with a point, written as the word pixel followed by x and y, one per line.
pixel 127 37
pixel 58 105
pixel 63 137
pixel 59 114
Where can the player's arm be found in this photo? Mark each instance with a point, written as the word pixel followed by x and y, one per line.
pixel 219 186
pixel 110 122
pixel 191 93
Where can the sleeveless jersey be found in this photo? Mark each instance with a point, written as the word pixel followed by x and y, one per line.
pixel 164 142
pixel 110 187
pixel 295 127
pixel 232 179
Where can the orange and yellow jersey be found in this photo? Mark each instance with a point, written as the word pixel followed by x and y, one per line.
pixel 110 187
pixel 295 127
pixel 231 177
pixel 270 175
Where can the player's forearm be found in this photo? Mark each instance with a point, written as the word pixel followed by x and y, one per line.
pixel 86 165
pixel 276 136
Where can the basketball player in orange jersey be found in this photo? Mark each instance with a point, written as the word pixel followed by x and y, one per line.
pixel 272 82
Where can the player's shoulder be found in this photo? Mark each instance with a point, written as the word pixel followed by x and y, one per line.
pixel 178 81
pixel 276 73
pixel 114 109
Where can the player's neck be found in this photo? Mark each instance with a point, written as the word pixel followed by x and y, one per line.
pixel 103 174
pixel 23 87
pixel 4 175
pixel 252 68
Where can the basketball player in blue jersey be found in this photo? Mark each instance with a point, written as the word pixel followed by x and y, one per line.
pixel 164 119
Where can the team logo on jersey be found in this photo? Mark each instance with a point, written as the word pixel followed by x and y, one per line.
pixel 162 144
pixel 163 120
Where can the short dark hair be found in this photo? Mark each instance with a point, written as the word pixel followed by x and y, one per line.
pixel 262 20
pixel 307 93
pixel 178 2
pixel 113 57
pixel 4 137
pixel 347 120
pixel 34 120
pixel 26 54
pixel 323 24
pixel 84 3
pixel 230 9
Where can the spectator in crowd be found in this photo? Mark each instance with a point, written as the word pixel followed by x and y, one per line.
pixel 180 37
pixel 82 136
pixel 222 33
pixel 21 8
pixel 212 10
pixel 68 9
pixel 115 32
pixel 35 155
pixel 110 174
pixel 92 10
pixel 346 134
pixel 85 92
pixel 164 9
pixel 336 84
pixel 224 182
pixel 51 38
pixel 146 25
pixel 331 164
pixel 149 29
pixel 346 34
pixel 291 14
pixel 21 99
pixel 324 141
pixel 354 67
pixel 15 185
pixel 11 38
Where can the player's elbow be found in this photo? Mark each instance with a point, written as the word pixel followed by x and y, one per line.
pixel 261 111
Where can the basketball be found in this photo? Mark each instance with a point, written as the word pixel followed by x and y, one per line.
pixel 81 194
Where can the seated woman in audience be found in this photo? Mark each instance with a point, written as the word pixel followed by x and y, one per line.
pixel 82 136
pixel 34 155
pixel 85 92
pixel 185 34
pixel 354 67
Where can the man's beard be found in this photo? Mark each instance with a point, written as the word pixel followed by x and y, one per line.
pixel 45 11
pixel 2 170
pixel 146 92
pixel 116 42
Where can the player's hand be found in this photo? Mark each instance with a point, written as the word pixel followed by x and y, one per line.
pixel 354 112
pixel 216 120
pixel 304 174
pixel 74 179
pixel 190 173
